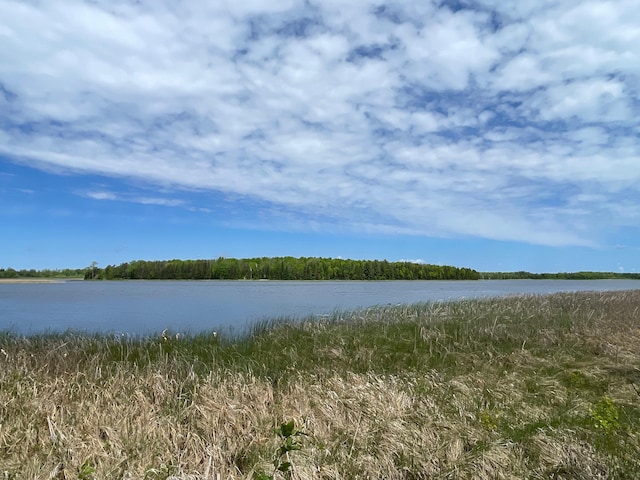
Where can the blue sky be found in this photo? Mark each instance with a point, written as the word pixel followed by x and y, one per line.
pixel 485 134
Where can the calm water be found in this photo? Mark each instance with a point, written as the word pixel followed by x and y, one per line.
pixel 146 307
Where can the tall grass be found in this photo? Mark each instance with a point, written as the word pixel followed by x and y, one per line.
pixel 518 387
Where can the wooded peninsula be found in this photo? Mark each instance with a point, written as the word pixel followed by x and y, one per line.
pixel 290 268
pixel 280 268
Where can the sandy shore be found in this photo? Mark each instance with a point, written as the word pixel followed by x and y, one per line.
pixel 32 280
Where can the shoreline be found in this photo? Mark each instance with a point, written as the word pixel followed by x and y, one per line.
pixel 32 280
pixel 518 387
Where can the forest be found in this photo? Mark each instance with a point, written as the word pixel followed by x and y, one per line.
pixel 46 273
pixel 279 268
pixel 521 275
pixel 290 268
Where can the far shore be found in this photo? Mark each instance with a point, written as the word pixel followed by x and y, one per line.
pixel 34 280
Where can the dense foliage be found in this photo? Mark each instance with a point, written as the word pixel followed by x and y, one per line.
pixel 281 268
pixel 290 268
pixel 65 273
pixel 559 276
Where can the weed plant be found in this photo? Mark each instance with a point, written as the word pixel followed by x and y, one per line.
pixel 517 387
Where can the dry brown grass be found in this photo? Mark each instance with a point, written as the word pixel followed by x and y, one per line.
pixel 526 387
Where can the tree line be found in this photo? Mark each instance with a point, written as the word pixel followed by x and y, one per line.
pixel 47 273
pixel 290 268
pixel 279 268
pixel 522 275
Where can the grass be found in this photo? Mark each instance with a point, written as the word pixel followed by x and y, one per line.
pixel 520 387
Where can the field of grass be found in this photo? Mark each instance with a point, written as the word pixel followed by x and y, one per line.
pixel 538 387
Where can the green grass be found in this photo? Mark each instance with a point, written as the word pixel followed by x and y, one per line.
pixel 518 387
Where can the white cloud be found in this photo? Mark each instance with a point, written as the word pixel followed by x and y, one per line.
pixel 521 73
pixel 417 260
pixel 593 100
pixel 101 195
pixel 510 121
pixel 144 200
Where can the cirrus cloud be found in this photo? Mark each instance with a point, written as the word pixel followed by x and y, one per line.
pixel 510 122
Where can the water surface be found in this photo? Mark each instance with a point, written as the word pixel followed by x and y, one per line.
pixel 147 307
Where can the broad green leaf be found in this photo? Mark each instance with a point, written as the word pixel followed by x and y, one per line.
pixel 287 429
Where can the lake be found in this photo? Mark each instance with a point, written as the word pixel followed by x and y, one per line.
pixel 147 307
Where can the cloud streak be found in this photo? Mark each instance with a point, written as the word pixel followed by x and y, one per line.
pixel 510 122
pixel 144 200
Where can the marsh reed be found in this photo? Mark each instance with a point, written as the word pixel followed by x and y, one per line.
pixel 516 387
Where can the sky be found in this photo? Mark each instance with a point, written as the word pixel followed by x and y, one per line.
pixel 490 134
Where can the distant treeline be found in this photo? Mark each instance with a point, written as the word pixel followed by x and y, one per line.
pixel 279 268
pixel 66 273
pixel 290 268
pixel 559 276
